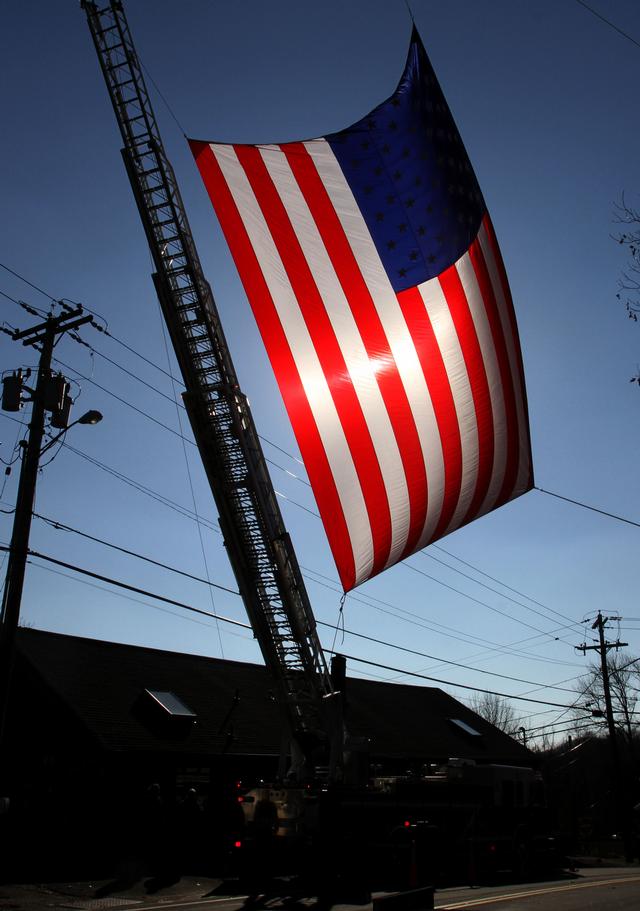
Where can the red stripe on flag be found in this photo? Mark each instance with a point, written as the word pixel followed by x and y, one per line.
pixel 435 374
pixel 371 331
pixel 282 361
pixel 463 321
pixel 328 351
pixel 506 379
pixel 502 272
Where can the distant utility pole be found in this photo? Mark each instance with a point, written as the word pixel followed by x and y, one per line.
pixel 51 394
pixel 603 648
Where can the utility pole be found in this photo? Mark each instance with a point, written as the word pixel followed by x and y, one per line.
pixel 50 394
pixel 603 648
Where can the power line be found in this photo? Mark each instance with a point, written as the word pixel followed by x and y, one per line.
pixel 125 370
pixel 183 438
pixel 565 730
pixel 608 22
pixel 551 724
pixel 27 282
pixel 462 686
pixel 58 525
pixel 494 590
pixel 34 311
pixel 178 404
pixel 178 433
pixel 131 553
pixel 181 383
pixel 184 511
pixel 141 591
pixel 417 621
pixel 122 401
pixel 410 651
pixel 132 588
pixel 188 514
pixel 500 582
pixel 393 610
pixel 129 597
pixel 602 512
pixel 495 610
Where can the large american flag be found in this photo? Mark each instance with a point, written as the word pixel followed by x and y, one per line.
pixel 376 280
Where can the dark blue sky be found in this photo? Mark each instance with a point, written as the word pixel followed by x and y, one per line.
pixel 544 95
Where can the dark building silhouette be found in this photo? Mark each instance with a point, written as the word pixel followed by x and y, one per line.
pixel 93 724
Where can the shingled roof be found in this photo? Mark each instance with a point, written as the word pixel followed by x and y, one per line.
pixel 102 683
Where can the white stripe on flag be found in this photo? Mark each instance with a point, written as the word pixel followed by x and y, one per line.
pixel 447 338
pixel 305 357
pixel 393 322
pixel 359 365
pixel 524 467
pixel 469 281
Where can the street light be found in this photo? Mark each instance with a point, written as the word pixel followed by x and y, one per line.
pixel 89 417
pixel 19 548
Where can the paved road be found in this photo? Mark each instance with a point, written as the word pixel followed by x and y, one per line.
pixel 601 890
pixel 592 890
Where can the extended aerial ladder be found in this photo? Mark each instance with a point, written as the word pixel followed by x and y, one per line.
pixel 258 545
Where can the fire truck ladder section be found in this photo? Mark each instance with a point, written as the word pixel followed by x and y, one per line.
pixel 257 542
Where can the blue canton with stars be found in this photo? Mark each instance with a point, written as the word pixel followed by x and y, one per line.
pixel 411 177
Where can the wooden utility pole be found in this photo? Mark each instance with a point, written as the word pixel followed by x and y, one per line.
pixel 43 335
pixel 603 648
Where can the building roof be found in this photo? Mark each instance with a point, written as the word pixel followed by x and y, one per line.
pixel 103 684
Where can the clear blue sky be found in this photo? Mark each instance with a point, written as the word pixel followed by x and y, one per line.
pixel 545 97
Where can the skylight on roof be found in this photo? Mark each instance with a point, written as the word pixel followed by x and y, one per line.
pixel 171 704
pixel 465 727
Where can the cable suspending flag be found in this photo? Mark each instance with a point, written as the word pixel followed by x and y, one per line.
pixel 374 275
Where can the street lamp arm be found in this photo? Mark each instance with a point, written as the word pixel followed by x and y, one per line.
pixel 90 417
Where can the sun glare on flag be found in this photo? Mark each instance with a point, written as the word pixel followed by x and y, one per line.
pixel 374 274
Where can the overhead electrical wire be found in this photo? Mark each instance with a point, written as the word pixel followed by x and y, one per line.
pixel 608 22
pixel 430 625
pixel 187 513
pixel 129 597
pixel 411 651
pixel 58 525
pixel 516 591
pixel 315 514
pixel 173 602
pixel 178 433
pixel 549 724
pixel 171 430
pixel 179 405
pixel 132 588
pixel 462 686
pixel 312 512
pixel 463 594
pixel 495 610
pixel 565 730
pixel 54 523
pixel 602 512
pixel 27 282
pixel 142 488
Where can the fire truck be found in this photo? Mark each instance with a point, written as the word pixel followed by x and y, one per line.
pixel 457 819
pixel 458 808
